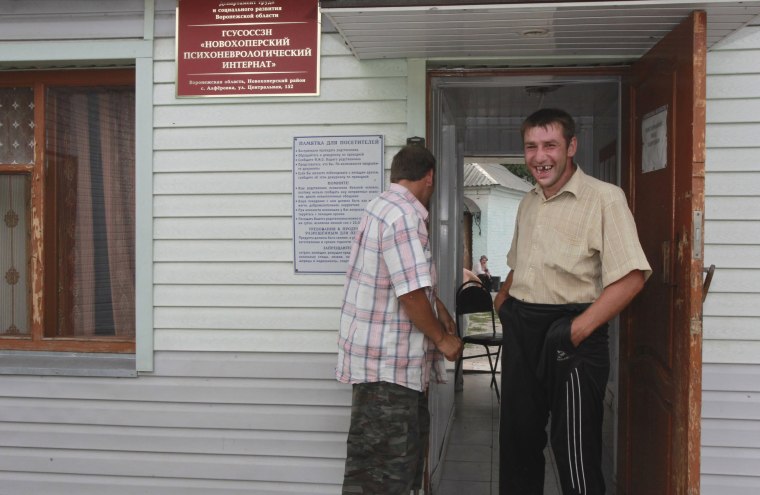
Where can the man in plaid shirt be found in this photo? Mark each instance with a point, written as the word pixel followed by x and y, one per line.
pixel 394 332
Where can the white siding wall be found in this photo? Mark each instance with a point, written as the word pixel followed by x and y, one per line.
pixel 242 398
pixel 223 250
pixel 731 373
pixel 498 208
pixel 502 213
pixel 82 19
pixel 482 197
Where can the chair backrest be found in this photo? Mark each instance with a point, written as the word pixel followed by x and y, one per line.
pixel 472 297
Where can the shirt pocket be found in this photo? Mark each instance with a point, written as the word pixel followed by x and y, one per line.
pixel 565 251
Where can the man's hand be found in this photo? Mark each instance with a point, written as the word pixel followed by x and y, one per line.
pixel 578 334
pixel 499 300
pixel 503 293
pixel 451 346
pixel 612 300
pixel 449 325
pixel 441 329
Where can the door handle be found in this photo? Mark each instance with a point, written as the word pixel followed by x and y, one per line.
pixel 708 279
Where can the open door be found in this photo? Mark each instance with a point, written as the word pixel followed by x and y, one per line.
pixel 661 335
pixel 446 235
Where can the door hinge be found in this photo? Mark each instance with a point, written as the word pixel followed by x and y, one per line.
pixel 696 238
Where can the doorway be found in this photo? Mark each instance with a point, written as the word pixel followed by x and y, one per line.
pixel 660 121
pixel 479 114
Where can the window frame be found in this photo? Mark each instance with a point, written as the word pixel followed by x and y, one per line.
pixel 42 264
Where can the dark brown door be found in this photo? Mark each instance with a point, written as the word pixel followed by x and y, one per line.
pixel 661 336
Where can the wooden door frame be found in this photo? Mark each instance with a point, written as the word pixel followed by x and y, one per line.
pixel 467 239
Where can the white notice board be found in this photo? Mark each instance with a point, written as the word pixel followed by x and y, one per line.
pixel 334 177
pixel 654 137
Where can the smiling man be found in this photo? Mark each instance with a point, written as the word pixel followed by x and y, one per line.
pixel 576 262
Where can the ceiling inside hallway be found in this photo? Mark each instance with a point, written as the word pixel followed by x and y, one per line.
pixel 495 98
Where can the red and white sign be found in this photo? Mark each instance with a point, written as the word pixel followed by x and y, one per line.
pixel 247 47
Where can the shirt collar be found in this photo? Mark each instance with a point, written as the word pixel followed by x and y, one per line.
pixel 411 198
pixel 573 186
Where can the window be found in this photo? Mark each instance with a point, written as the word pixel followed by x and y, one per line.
pixel 67 211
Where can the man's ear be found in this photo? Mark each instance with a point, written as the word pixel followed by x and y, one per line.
pixel 430 178
pixel 572 147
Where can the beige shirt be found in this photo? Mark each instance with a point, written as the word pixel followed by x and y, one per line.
pixel 567 248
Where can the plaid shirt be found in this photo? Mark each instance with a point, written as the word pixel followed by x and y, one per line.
pixel 390 257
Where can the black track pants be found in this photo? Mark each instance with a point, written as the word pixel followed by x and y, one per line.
pixel 542 372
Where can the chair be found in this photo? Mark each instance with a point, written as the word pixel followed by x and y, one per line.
pixel 485 280
pixel 471 298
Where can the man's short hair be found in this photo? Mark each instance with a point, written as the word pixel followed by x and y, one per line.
pixel 412 162
pixel 547 117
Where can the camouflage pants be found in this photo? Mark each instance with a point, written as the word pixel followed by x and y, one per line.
pixel 387 441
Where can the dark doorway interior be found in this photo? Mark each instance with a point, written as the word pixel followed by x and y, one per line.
pixel 487 112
